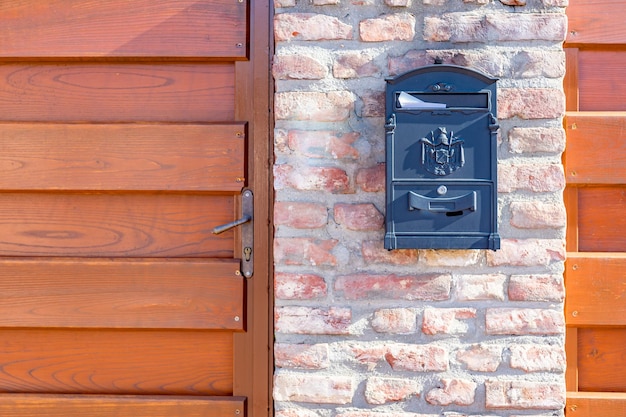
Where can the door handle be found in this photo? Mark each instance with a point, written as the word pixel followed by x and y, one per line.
pixel 247 232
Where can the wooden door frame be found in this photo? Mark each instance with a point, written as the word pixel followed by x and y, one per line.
pixel 253 368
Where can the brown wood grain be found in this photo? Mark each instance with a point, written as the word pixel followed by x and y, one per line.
pixel 116 362
pixel 602 359
pixel 600 79
pixel 596 148
pixel 595 404
pixel 596 289
pixel 601 220
pixel 99 92
pixel 596 22
pixel 115 224
pixel 31 405
pixel 173 157
pixel 104 293
pixel 120 28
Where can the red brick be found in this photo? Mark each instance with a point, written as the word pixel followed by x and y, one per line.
pixel 538 215
pixel 309 27
pixel 355 65
pixel 532 177
pixel 527 26
pixel 536 139
pixel 298 67
pixel 536 288
pixel 481 358
pixel 307 320
pixel 480 287
pixel 300 215
pixel 428 287
pixel 311 388
pixel 369 354
pixel 394 320
pixel 284 3
pixel 371 180
pixel 417 358
pixel 333 106
pixel 384 390
pixel 456 28
pixel 298 286
pixel 328 179
pixel 450 258
pixel 373 103
pixel 524 395
pixel 453 391
pixel 281 144
pixel 373 252
pixel 527 252
pixel 395 27
pixel 323 144
pixel 304 251
pixel 296 356
pixel 524 321
pixel 531 103
pixel 538 358
pixel 447 320
pixel 360 217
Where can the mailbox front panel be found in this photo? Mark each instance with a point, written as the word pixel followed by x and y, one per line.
pixel 441 156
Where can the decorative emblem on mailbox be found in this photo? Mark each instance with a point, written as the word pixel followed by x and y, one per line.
pixel 442 154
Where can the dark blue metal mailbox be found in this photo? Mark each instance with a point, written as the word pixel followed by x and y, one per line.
pixel 441 156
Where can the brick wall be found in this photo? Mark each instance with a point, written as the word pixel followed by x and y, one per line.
pixel 365 332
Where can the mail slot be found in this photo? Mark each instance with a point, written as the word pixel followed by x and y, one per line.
pixel 441 158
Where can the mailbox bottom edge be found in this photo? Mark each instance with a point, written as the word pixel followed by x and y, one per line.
pixel 394 241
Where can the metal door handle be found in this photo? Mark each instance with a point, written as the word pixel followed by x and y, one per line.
pixel 224 227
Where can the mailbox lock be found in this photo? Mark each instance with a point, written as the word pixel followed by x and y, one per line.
pixel 442 190
pixel 441 86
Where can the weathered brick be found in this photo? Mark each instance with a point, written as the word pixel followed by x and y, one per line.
pixel 536 139
pixel 373 252
pixel 532 177
pixel 324 2
pixel 304 251
pixel 527 26
pixel 311 388
pixel 284 3
pixel 369 354
pixel 527 252
pixel 305 178
pixel 355 64
pixel 412 59
pixel 398 3
pixel 538 358
pixel 481 357
pixel 417 358
pixel 536 288
pixel 298 67
pixel 309 27
pixel 300 215
pixel 373 103
pixel 295 412
pixel 450 258
pixel 524 321
pixel 323 143
pixel 538 215
pixel 395 27
pixel 447 320
pixel 429 287
pixel 538 63
pixel 289 286
pixel 555 3
pixel 307 320
pixel 456 28
pixel 368 413
pixel 333 106
pixel 281 142
pixel 300 356
pixel 531 103
pixel 384 390
pixel 480 287
pixel 361 217
pixel 372 179
pixel 395 320
pixel 453 391
pixel 524 395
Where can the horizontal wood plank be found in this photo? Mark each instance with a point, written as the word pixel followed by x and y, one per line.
pixel 41 156
pixel 120 28
pixel 596 404
pixel 41 405
pixel 600 86
pixel 98 92
pixel 599 22
pixel 596 148
pixel 601 220
pixel 116 362
pixel 596 289
pixel 602 359
pixel 115 224
pixel 121 294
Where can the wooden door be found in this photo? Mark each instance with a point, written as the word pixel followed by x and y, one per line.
pixel 128 130
pixel 595 164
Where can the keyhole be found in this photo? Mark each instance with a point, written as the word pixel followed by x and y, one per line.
pixel 247 251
